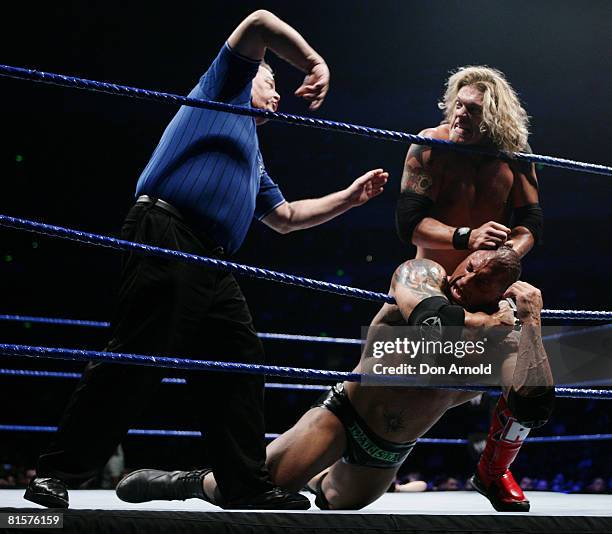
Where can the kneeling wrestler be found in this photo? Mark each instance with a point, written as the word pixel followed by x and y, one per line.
pixel 364 434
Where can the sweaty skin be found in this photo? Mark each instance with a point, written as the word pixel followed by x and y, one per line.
pixel 402 414
pixel 467 190
pixel 399 414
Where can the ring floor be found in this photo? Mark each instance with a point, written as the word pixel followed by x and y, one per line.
pixel 458 511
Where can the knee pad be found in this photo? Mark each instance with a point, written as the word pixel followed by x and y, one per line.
pixel 532 412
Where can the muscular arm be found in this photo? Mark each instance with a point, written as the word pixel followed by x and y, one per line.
pixel 521 240
pixel 416 280
pixel 419 279
pixel 530 391
pixel 532 373
pixel 524 193
pixel 419 178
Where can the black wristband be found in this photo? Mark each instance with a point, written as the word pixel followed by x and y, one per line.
pixel 461 238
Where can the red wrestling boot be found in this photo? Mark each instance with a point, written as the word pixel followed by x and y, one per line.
pixel 493 479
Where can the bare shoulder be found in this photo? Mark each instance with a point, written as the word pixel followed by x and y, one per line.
pixel 420 275
pixel 523 167
pixel 418 175
pixel 439 132
pixel 421 263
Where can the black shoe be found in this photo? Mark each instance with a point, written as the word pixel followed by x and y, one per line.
pixel 153 485
pixel 150 485
pixel 274 499
pixel 49 492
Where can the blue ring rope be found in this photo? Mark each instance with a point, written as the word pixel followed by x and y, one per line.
pixel 247 270
pixel 376 133
pixel 42 374
pixel 314 339
pixel 105 324
pixel 167 380
pixel 273 335
pixel 197 434
pixel 247 368
pixel 269 385
pixel 55 320
pixel 12 350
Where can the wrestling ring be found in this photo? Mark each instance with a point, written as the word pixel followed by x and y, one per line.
pixel 429 512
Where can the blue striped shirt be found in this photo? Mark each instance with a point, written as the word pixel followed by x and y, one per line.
pixel 208 164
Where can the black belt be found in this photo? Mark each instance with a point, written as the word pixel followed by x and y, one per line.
pixel 158 202
pixel 146 199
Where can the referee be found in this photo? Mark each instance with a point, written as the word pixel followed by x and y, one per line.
pixel 199 193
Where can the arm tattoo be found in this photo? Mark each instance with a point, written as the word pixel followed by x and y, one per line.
pixel 417 180
pixel 416 152
pixel 425 278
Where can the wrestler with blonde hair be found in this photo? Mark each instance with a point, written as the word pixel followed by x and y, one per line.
pixel 452 204
pixel 503 116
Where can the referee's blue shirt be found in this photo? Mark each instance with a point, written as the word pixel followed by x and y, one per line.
pixel 207 163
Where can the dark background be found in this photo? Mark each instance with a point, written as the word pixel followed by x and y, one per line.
pixel 72 158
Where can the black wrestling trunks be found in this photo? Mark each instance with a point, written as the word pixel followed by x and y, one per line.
pixel 363 447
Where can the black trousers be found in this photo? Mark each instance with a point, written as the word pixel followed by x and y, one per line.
pixel 170 307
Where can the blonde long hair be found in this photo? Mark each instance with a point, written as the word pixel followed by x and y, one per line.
pixel 504 119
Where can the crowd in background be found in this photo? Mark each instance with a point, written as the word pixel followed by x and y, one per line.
pixel 584 478
pixel 15 477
